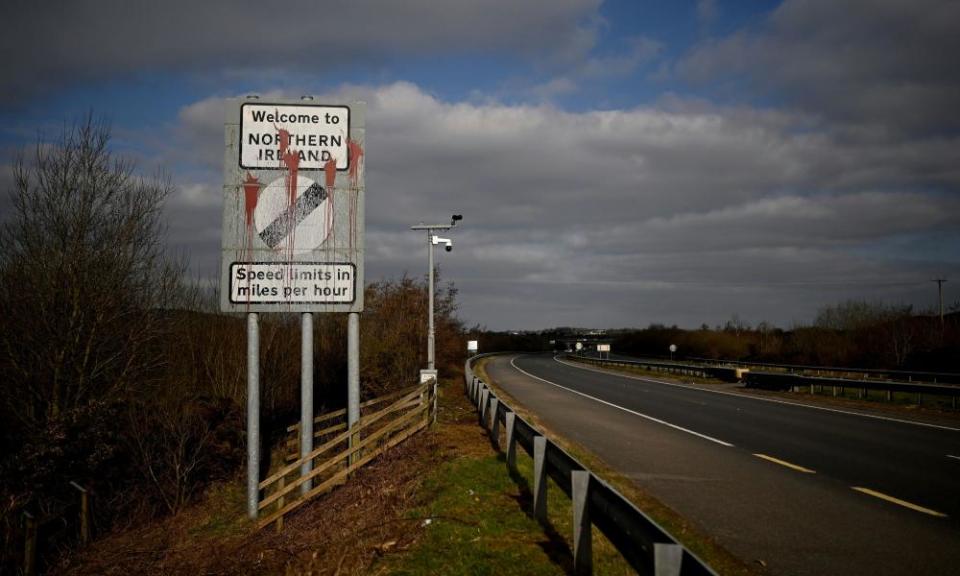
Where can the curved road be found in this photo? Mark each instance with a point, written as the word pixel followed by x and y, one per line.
pixel 798 489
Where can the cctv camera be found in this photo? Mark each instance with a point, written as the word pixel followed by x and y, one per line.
pixel 449 248
pixel 456 218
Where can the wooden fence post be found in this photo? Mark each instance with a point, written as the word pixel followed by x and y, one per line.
pixel 30 545
pixel 280 504
pixel 84 513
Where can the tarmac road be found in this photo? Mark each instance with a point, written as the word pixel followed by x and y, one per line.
pixel 798 489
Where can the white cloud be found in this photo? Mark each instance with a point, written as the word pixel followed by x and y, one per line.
pixel 668 201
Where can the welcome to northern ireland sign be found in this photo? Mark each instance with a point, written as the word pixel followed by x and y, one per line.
pixel 293 216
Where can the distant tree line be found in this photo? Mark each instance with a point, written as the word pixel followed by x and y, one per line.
pixel 853 333
pixel 116 370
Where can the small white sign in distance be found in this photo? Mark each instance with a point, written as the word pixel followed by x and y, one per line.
pixel 603 347
pixel 472 346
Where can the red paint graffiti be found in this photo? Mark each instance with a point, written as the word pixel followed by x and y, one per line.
pixel 292 162
pixel 356 156
pixel 330 173
pixel 251 193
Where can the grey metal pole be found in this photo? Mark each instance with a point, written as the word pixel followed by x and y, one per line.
pixel 430 333
pixel 253 414
pixel 353 377
pixel 306 396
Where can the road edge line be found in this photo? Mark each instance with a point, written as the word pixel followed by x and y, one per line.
pixel 612 405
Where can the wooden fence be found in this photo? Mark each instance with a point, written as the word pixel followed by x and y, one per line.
pixel 344 451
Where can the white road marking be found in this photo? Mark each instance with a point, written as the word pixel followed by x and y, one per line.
pixel 612 405
pixel 898 501
pixel 952 456
pixel 775 401
pixel 785 463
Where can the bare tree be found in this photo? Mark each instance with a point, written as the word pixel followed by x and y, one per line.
pixel 82 274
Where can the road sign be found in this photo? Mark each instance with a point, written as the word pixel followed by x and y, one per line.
pixel 318 133
pixel 472 346
pixel 293 217
pixel 603 347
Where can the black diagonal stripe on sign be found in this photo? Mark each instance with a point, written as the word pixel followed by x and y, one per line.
pixel 289 219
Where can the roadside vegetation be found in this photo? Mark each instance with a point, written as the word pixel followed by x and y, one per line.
pixel 853 333
pixel 118 373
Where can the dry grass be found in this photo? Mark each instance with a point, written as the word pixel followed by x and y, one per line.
pixel 372 524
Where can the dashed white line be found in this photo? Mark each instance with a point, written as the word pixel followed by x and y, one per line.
pixel 775 401
pixel 899 502
pixel 952 456
pixel 612 405
pixel 786 464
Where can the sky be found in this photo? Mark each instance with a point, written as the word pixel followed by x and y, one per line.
pixel 617 163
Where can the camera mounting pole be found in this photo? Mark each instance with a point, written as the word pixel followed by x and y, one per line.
pixel 433 239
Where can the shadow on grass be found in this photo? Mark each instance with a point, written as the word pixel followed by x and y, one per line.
pixel 555 546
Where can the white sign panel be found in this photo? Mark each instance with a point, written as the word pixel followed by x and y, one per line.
pixel 293 207
pixel 471 346
pixel 316 134
pixel 300 282
pixel 298 227
pixel 603 347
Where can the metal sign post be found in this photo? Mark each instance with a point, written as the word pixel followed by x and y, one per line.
pixel 293 236
pixel 253 413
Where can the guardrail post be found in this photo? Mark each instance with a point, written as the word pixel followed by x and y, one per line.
pixel 511 425
pixel 667 559
pixel 484 396
pixel 494 421
pixel 582 534
pixel 540 479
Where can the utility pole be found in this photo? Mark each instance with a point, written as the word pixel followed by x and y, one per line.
pixel 940 282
